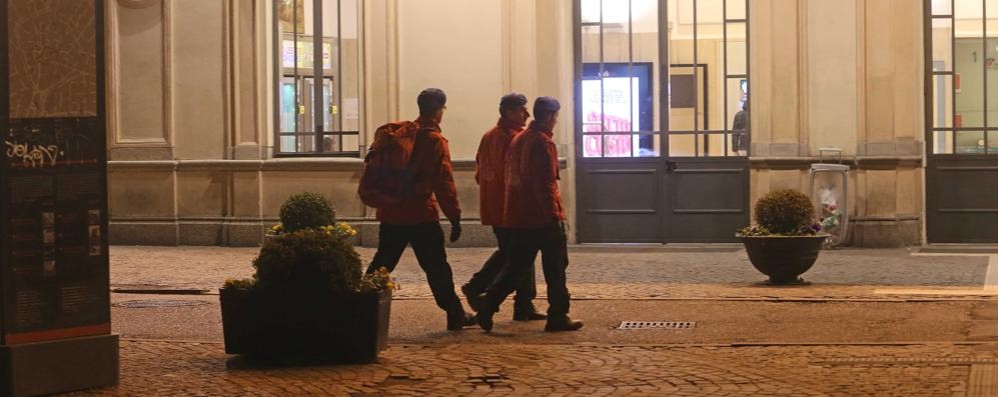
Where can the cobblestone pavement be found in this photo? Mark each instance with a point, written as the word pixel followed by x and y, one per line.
pixel 200 369
pixel 614 284
pixel 603 273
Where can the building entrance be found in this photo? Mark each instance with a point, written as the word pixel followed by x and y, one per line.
pixel 961 50
pixel 662 120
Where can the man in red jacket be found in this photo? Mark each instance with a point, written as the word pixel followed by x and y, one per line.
pixel 490 173
pixel 416 221
pixel 535 217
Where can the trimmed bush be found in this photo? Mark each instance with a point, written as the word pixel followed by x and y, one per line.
pixel 306 211
pixel 785 212
pixel 310 259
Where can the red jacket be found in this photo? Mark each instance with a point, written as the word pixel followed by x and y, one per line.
pixel 490 172
pixel 532 196
pixel 433 179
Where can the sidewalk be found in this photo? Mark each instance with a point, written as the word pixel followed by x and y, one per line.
pixel 199 369
pixel 612 273
pixel 849 333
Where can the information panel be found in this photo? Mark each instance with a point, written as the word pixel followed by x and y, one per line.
pixel 53 174
pixel 55 267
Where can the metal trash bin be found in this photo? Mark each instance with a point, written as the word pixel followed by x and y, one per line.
pixel 829 191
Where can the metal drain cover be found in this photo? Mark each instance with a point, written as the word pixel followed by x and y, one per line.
pixel 657 325
pixel 155 303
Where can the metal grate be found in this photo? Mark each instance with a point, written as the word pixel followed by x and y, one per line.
pixel 144 304
pixel 657 325
pixel 906 361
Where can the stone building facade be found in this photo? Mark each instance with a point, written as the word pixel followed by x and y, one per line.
pixel 194 103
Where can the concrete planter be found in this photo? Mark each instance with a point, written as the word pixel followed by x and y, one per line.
pixel 313 327
pixel 783 259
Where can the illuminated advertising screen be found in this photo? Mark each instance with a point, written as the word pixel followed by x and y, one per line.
pixel 617 99
pixel 304 54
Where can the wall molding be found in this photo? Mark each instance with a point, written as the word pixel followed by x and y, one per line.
pixel 803 78
pixel 230 76
pixel 393 60
pixel 856 162
pixel 507 37
pixel 137 4
pixel 118 143
pixel 279 164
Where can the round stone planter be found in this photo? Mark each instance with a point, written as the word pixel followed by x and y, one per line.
pixel 783 259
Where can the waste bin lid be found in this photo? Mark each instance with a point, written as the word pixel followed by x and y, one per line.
pixel 829 167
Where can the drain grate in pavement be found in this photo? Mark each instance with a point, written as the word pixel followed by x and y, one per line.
pixel 156 303
pixel 902 361
pixel 657 325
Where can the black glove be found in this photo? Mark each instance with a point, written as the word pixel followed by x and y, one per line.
pixel 455 231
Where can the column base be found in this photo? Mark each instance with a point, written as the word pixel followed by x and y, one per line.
pixel 59 366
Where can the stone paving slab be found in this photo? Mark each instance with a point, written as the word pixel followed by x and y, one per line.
pixel 200 369
pixel 617 273
pixel 420 322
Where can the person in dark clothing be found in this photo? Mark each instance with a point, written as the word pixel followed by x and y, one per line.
pixel 417 220
pixel 739 136
pixel 490 173
pixel 535 217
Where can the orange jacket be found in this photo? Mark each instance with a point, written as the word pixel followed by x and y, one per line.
pixel 532 196
pixel 433 180
pixel 490 172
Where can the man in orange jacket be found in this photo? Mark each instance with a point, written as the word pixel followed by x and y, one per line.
pixel 535 217
pixel 490 173
pixel 416 221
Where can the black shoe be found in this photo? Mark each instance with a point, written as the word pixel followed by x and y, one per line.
pixel 485 320
pixel 458 322
pixel 528 314
pixel 472 296
pixel 562 324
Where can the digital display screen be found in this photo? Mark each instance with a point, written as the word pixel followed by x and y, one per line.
pixel 617 98
pixel 304 55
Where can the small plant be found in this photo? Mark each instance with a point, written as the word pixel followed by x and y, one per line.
pixel 306 211
pixel 245 283
pixel 783 213
pixel 754 231
pixel 380 280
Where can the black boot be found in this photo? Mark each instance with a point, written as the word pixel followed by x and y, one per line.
pixel 484 317
pixel 456 320
pixel 472 296
pixel 527 312
pixel 562 323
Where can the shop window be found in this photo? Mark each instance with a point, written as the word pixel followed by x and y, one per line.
pixel 697 48
pixel 963 53
pixel 319 86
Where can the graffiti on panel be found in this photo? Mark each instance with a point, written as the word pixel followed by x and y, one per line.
pixel 46 143
pixel 33 156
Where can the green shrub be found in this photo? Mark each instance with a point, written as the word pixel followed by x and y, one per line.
pixel 785 212
pixel 308 252
pixel 245 283
pixel 310 259
pixel 306 211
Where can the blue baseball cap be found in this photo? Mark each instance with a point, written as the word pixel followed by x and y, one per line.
pixel 545 105
pixel 512 101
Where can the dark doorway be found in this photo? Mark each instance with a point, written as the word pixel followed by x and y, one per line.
pixel 660 156
pixel 961 110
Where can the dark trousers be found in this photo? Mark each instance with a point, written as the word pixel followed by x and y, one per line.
pixel 524 245
pixel 427 241
pixel 526 290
